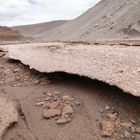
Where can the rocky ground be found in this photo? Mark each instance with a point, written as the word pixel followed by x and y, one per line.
pixel 66 107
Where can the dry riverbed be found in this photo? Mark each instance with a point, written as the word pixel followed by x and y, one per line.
pixel 63 107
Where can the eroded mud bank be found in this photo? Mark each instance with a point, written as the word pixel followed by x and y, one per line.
pixel 117 65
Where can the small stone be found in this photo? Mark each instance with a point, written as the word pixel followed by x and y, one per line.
pixel 51 113
pixel 63 120
pixel 127 134
pixel 126 125
pixel 47 98
pixel 53 104
pixel 107 108
pixel 78 103
pixel 17 78
pixel 108 128
pixel 39 103
pixel 137 130
pixel 132 129
pixel 37 81
pixel 49 94
pixel 67 98
pixel 16 70
pixel 134 122
pixel 121 136
pixel 101 111
pixel 67 110
pixel 112 117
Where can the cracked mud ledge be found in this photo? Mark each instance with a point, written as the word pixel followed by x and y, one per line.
pixel 117 65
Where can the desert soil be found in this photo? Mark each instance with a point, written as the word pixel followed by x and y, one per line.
pixel 99 111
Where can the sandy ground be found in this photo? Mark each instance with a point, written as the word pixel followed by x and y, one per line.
pixel 19 82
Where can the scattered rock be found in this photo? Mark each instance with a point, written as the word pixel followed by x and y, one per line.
pixel 67 98
pixel 126 125
pixel 53 104
pixel 63 120
pixel 37 81
pixel 40 103
pixel 47 98
pixel 101 111
pixel 18 78
pixel 112 117
pixel 107 107
pixel 58 106
pixel 77 103
pixel 127 134
pixel 16 70
pixel 50 113
pixel 132 129
pixel 137 130
pixel 133 122
pixel 49 94
pixel 108 128
pixel 67 110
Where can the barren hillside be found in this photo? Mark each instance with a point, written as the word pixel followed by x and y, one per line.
pixel 7 34
pixel 108 19
pixel 35 29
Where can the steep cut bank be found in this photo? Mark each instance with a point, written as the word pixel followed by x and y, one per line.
pixel 7 34
pixel 35 29
pixel 116 65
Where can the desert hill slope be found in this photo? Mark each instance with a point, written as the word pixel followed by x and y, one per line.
pixel 35 29
pixel 109 19
pixel 7 34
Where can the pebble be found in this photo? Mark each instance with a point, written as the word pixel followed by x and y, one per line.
pixel 134 122
pixel 112 117
pixel 37 81
pixel 50 113
pixel 39 103
pixel 137 130
pixel 53 104
pixel 107 107
pixel 67 110
pixel 132 129
pixel 67 98
pixel 16 70
pixel 49 94
pixel 78 103
pixel 62 120
pixel 127 134
pixel 126 125
pixel 101 111
pixel 108 128
pixel 47 99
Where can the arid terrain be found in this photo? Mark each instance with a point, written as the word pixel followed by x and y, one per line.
pixel 73 80
pixel 98 111
pixel 109 19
